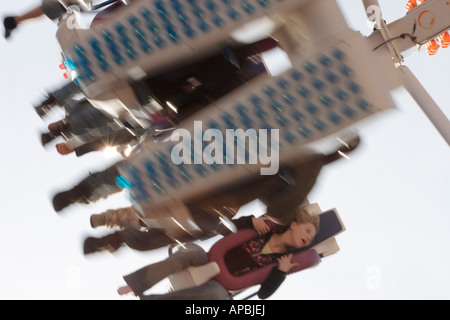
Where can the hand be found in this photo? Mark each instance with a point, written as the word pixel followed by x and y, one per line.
pixel 260 225
pixel 285 263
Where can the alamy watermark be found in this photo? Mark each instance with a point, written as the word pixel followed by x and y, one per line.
pixel 237 147
pixel 374 277
pixel 373 17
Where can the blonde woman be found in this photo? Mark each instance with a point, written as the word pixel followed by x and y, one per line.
pixel 274 243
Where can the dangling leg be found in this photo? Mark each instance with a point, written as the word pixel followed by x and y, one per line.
pixel 96 186
pixel 121 218
pixel 132 236
pixel 35 13
pixel 58 97
pixel 53 9
pixel 145 278
pixel 11 23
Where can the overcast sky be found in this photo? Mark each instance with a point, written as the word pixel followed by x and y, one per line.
pixel 393 196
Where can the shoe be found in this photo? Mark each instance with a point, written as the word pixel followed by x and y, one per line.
pixel 44 108
pixel 58 127
pixel 10 24
pixel 64 149
pixel 78 194
pixel 92 245
pixel 46 138
pixel 42 112
pixel 109 243
pixel 62 200
pixel 351 145
pixel 97 220
pixel 125 290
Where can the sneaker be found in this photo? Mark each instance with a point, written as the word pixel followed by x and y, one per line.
pixel 10 24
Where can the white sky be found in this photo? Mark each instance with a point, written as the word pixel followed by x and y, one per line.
pixel 393 196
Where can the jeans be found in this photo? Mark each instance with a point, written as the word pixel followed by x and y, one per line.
pixel 144 278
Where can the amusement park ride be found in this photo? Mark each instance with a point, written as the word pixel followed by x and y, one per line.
pixel 338 79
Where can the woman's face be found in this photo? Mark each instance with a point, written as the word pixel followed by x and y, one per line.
pixel 302 234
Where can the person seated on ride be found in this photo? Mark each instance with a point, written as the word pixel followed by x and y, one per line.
pixel 280 193
pixel 274 243
pixel 84 127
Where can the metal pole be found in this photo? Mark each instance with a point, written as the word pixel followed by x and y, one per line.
pixel 426 103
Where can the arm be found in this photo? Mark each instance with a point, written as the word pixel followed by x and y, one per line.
pixel 272 283
pixel 276 276
pixel 243 222
pixel 262 225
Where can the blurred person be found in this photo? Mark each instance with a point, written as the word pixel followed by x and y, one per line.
pixel 134 233
pixel 86 128
pixel 281 194
pixel 58 98
pixel 190 88
pixel 275 243
pixel 83 123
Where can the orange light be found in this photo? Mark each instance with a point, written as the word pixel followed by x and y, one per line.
pixel 445 40
pixel 433 47
pixel 411 4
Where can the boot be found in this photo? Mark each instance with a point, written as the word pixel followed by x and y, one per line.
pixel 350 145
pixel 46 138
pixel 78 194
pixel 109 243
pixel 10 24
pixel 98 220
pixel 44 108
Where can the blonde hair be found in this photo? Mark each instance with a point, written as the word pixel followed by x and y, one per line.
pixel 302 215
